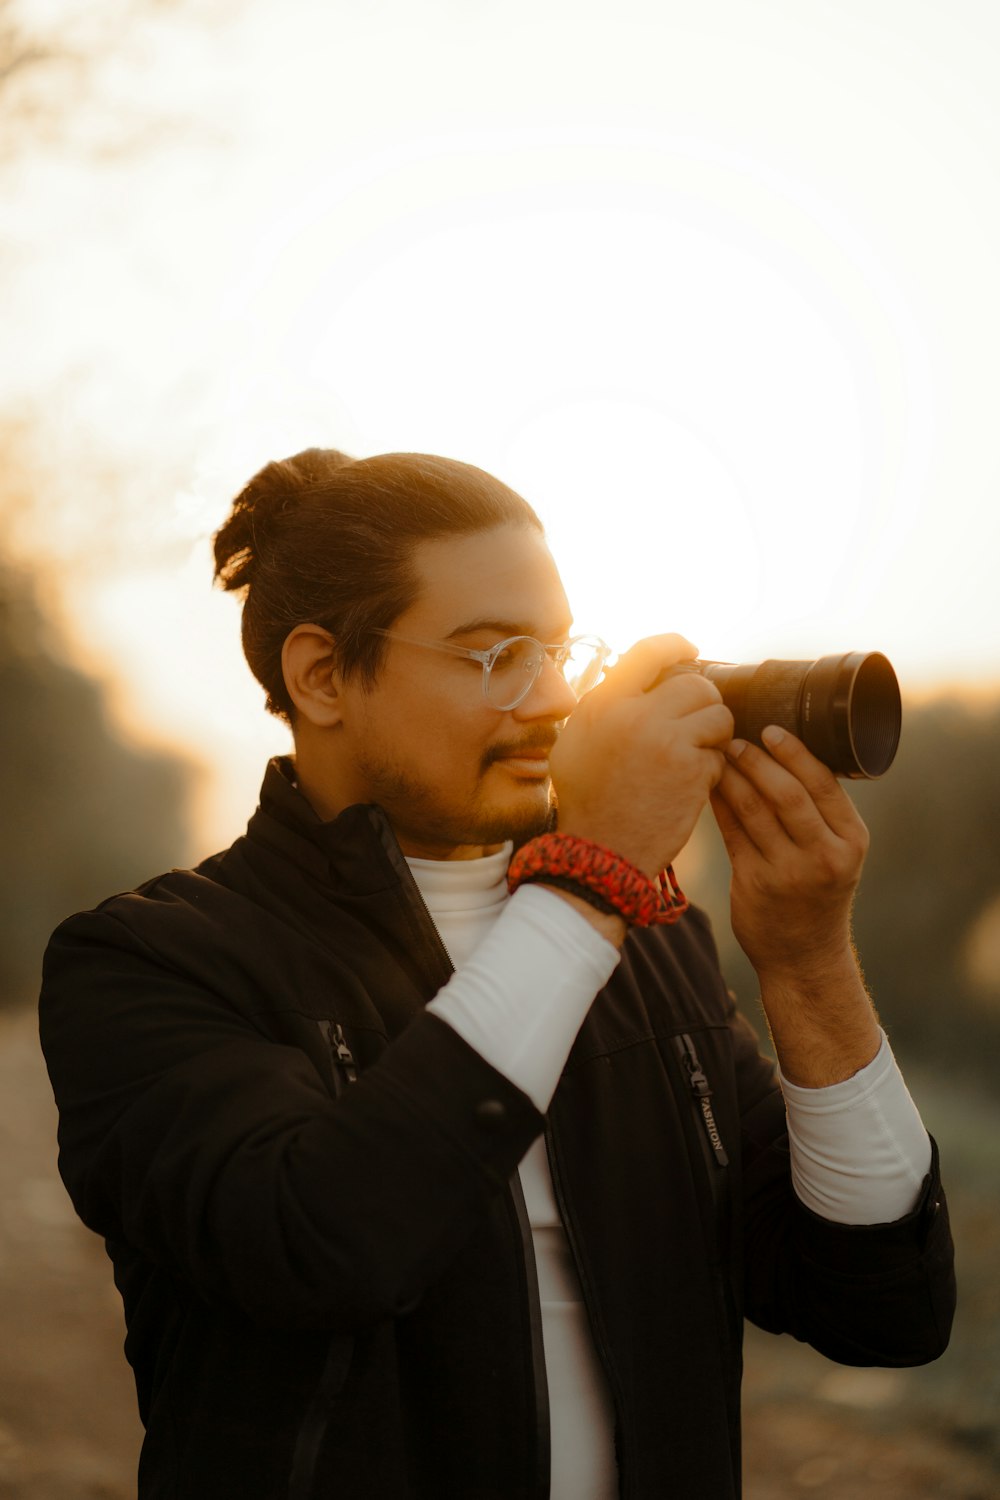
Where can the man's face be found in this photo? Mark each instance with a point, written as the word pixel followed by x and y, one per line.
pixel 456 776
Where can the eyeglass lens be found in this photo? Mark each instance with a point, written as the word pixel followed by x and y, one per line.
pixel 515 670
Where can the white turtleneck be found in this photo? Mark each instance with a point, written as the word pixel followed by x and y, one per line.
pixel 528 968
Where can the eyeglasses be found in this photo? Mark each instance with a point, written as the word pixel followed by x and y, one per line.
pixel 512 667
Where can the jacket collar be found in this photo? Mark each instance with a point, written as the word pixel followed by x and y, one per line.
pixel 356 861
pixel 356 850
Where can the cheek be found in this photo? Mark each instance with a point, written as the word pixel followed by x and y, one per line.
pixel 435 729
pixel 460 739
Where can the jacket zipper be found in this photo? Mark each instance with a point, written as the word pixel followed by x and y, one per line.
pixel 589 1302
pixel 716 1163
pixel 317 1417
pixel 542 1478
pixel 699 1086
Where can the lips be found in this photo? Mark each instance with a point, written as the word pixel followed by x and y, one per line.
pixel 528 765
pixel 528 758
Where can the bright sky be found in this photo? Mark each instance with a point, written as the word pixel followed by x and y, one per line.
pixel 713 285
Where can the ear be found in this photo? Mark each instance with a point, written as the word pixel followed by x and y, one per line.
pixel 309 666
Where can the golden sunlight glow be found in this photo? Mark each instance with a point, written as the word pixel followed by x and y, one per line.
pixel 742 371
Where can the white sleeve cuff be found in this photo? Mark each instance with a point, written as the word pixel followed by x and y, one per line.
pixel 522 997
pixel 859 1149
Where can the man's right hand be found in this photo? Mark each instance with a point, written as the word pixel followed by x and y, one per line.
pixel 635 764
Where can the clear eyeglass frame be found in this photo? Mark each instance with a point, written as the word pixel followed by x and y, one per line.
pixel 558 654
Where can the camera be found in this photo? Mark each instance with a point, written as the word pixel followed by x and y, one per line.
pixel 845 709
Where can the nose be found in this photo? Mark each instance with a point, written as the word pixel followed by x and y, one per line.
pixel 551 696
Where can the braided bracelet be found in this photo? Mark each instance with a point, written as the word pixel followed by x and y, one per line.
pixel 599 876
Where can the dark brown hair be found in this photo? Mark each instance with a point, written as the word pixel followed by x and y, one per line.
pixel 325 539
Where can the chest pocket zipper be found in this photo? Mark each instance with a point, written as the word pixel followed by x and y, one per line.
pixel 702 1093
pixel 345 1069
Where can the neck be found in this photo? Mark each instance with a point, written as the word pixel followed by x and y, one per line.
pixel 327 803
pixel 421 849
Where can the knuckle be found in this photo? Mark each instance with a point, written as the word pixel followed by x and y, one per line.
pixel 666 648
pixel 832 870
pixel 750 804
pixel 708 692
pixel 678 645
pixel 794 798
pixel 689 691
pixel 722 722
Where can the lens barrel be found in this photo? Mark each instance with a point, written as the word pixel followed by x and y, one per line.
pixel 846 709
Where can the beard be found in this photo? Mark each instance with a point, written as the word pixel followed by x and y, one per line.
pixel 421 814
pixel 518 827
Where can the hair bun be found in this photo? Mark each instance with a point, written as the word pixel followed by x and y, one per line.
pixel 254 525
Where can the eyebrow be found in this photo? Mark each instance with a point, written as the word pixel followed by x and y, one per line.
pixel 501 627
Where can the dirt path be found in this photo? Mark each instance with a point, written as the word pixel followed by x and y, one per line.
pixel 68 1424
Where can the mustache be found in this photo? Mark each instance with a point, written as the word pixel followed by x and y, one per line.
pixel 538 746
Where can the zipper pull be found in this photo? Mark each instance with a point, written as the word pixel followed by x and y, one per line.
pixel 703 1097
pixel 341 1051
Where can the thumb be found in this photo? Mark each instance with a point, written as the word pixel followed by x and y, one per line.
pixel 637 670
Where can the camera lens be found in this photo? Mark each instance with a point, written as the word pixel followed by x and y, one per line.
pixel 846 709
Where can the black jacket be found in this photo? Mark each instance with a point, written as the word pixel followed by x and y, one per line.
pixel 308 1189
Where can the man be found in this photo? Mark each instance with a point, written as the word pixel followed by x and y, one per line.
pixel 417 1187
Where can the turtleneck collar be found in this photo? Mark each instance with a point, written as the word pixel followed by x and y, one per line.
pixel 453 885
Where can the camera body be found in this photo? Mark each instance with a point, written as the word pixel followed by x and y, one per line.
pixel 846 709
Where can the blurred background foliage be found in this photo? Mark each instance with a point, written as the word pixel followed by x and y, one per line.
pixel 83 813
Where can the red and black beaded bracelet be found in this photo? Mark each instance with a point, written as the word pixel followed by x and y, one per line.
pixel 599 876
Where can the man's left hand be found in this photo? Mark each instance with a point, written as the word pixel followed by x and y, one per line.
pixel 797 845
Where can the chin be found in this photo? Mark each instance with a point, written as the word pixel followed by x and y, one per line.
pixel 496 826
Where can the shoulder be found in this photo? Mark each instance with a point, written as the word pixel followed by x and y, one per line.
pixel 182 930
pixel 174 904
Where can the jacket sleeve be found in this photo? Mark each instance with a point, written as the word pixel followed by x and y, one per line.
pixel 220 1156
pixel 874 1294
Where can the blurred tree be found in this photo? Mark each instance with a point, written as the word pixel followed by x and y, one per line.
pixel 933 868
pixel 82 814
pixel 930 887
pixel 57 66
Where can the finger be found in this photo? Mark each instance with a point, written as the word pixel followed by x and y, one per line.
pixel 766 796
pixel 738 842
pixel 825 792
pixel 684 693
pixel 710 727
pixel 748 809
pixel 639 667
